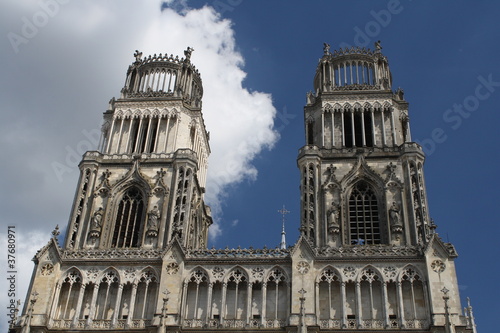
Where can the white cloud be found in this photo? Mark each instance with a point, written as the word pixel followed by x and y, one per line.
pixel 59 82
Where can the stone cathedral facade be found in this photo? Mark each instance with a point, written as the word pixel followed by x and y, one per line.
pixel 135 255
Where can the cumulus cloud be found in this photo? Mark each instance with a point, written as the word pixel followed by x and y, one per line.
pixel 61 76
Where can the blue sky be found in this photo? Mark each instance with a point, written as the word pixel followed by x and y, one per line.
pixel 56 85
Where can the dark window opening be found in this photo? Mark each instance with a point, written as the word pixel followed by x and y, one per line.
pixel 348 130
pixel 128 220
pixel 358 129
pixel 310 133
pixel 368 129
pixel 364 223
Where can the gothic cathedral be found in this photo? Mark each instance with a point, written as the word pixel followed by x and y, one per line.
pixel 135 256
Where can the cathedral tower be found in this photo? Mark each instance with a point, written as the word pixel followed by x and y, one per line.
pixel 151 163
pixel 362 177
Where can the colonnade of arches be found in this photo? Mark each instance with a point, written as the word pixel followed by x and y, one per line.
pixel 147 132
pixel 236 301
pixel 366 298
pixel 369 300
pixel 105 300
pixel 368 125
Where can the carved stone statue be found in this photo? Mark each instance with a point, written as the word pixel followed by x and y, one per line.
pixel 96 222
pixel 326 48
pixel 394 214
pixel 153 217
pixel 333 215
pixel 378 47
pixel 137 55
pixel 188 52
pixel 333 218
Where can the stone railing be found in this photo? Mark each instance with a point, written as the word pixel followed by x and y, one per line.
pixel 213 323
pixel 125 156
pixel 330 323
pixel 103 324
pixel 373 323
pixel 352 324
pixel 275 323
pixel 61 323
pixel 234 323
pixel 416 323
pixel 193 323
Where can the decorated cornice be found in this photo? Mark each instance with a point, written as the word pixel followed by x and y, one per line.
pixel 364 251
pixel 114 254
pixel 238 253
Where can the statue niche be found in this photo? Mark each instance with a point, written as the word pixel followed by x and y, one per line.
pixel 95 228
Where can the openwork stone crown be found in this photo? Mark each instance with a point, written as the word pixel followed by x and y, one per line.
pixel 352 68
pixel 164 76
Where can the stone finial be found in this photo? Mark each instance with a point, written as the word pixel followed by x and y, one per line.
pixel 56 231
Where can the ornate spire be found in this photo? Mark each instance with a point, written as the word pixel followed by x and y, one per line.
pixel 283 212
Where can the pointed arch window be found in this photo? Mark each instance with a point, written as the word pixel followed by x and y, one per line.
pixel 129 217
pixel 196 289
pixel 364 220
pixel 68 297
pixel 236 299
pixel 276 299
pixel 330 303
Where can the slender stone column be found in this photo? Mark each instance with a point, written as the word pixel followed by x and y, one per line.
pixel 316 303
pixel 183 303
pixel 264 303
pixel 343 128
pixel 118 144
pixel 249 302
pixel 322 128
pixel 358 304
pixel 413 307
pixel 93 305
pixel 133 295
pixel 157 135
pixel 177 123
pixel 223 303
pixel 393 128
pixel 323 83
pixel 78 308
pixel 384 139
pixel 385 309
pixel 399 292
pixel 426 300
pixel 343 300
pixel 166 134
pixel 138 136
pixel 55 301
pixel 116 310
pixel 363 128
pixel 110 136
pixel 130 127
pixel 374 137
pixel 353 130
pixel 209 302
pixel 332 114
pixel 146 144
pixel 345 74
